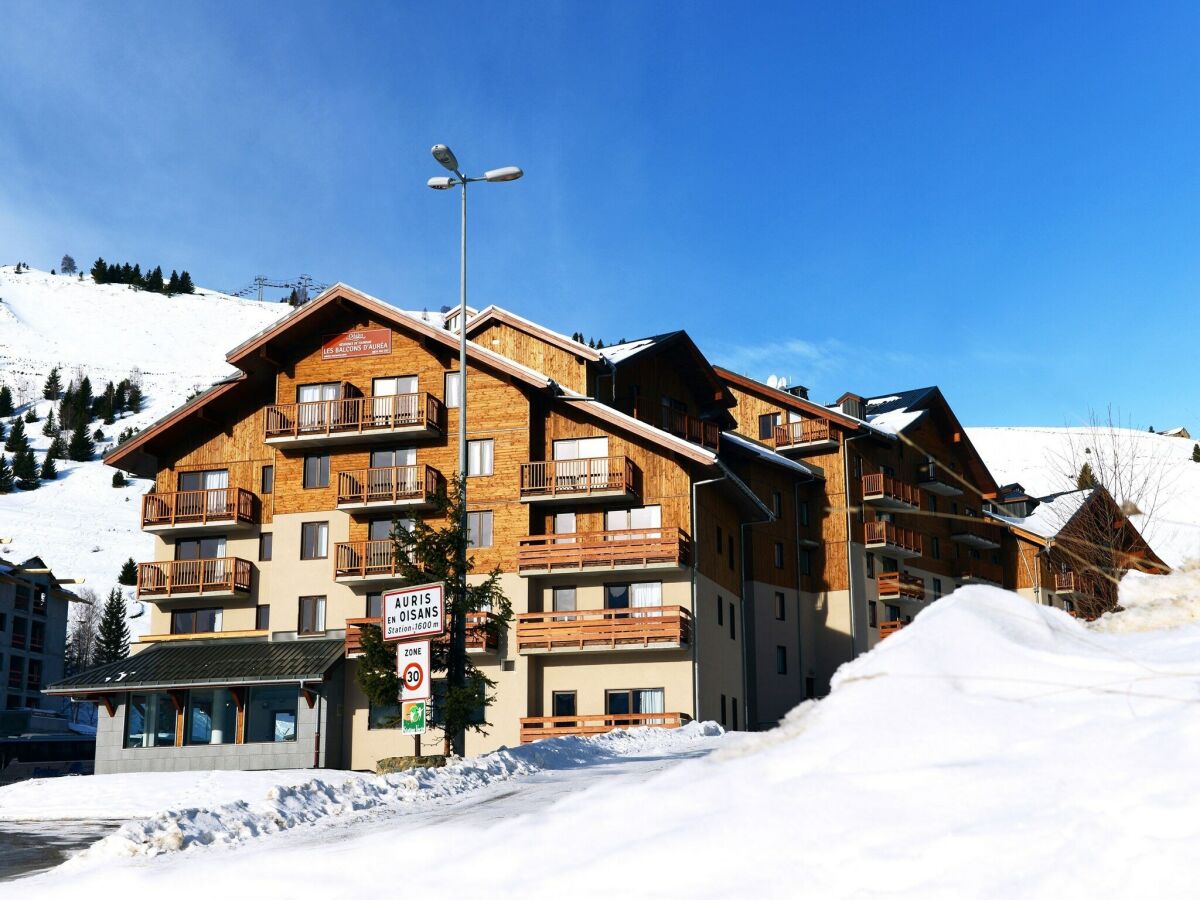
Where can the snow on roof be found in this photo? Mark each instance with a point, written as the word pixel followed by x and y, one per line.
pixel 874 401
pixel 766 453
pixel 1051 515
pixel 618 353
pixel 893 413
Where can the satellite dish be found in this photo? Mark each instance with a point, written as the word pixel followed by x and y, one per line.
pixel 772 381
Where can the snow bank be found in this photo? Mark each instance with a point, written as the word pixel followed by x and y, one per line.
pixel 289 802
pixel 1152 602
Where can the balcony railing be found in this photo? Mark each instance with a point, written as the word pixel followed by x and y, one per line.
pixel 354 415
pixel 222 575
pixel 887 490
pixel 214 506
pixel 646 627
pixel 482 635
pixel 400 485
pixel 648 548
pixel 893 537
pixel 979 570
pixel 364 559
pixel 536 728
pixel 18 640
pixel 939 480
pixel 983 535
pixel 804 431
pixel 900 585
pixel 886 629
pixel 578 478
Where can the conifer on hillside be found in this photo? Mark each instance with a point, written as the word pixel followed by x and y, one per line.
pixel 57 449
pixel 81 448
pixel 185 283
pixel 16 437
pixel 30 415
pixel 50 429
pixel 1087 478
pixel 128 574
pixel 49 470
pixel 6 476
pixel 173 283
pixel 6 401
pixel 25 470
pixel 1196 453
pixel 112 643
pixel 119 480
pixel 53 385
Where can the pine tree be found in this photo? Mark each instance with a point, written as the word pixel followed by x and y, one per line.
pixel 119 480
pixel 154 281
pixel 57 449
pixel 185 283
pixel 1087 478
pixel 100 271
pixel 1196 453
pixel 31 415
pixel 53 386
pixel 6 476
pixel 81 448
pixel 173 283
pixel 16 437
pixel 3 432
pixel 84 399
pixel 98 435
pixel 25 470
pixel 6 403
pixel 128 574
pixel 49 470
pixel 50 429
pixel 135 277
pixel 135 398
pixel 113 641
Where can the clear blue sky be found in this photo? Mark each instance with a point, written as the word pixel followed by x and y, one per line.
pixel 1001 199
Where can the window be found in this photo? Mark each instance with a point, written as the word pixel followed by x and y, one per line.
pixel 268 480
pixel 195 621
pixel 804 513
pixel 564 523
pixel 636 701
pixel 150 720
pixel 893 613
pixel 734 717
pixel 21 600
pixel 732 623
pixel 780 606
pixel 935 547
pixel 781 660
pixel 316 470
pixel 312 615
pixel 387 459
pixel 937 588
pixel 580 448
pixel 720 540
pixel 639 594
pixel 563 599
pixel 211 717
pixel 778 555
pixel 314 540
pixel 723 711
pixel 777 503
pixel 264 546
pixel 731 552
pixel 262 617
pixel 810 687
pixel 19 632
pixel 453 390
pixel 932 503
pixel 37 636
pixel 200 548
pixel 766 426
pixel 375 605
pixel 806 558
pixel 33 675
pixel 1068 606
pixel 386 716
pixel 720 610
pixel 39 601
pixel 890 565
pixel 379 530
pixel 479 457
pixel 271 714
pixel 562 703
pixel 642 518
pixel 870 565
pixel 3 622
pixel 479 528
pixel 872 614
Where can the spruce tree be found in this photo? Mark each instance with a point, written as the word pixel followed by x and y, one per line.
pixel 173 283
pixel 100 271
pixel 112 643
pixel 98 435
pixel 3 432
pixel 57 449
pixel 185 283
pixel 6 401
pixel 1087 478
pixel 6 476
pixel 1196 453
pixel 81 448
pixel 84 399
pixel 25 470
pixel 49 470
pixel 50 429
pixel 128 574
pixel 154 281
pixel 16 437
pixel 53 385
pixel 135 398
pixel 119 480
pixel 30 415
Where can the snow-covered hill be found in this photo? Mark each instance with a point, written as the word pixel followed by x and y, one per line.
pixel 79 524
pixel 1159 469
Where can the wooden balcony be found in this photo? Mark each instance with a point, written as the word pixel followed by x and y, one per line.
pixel 981 535
pixel 938 480
pixel 805 436
pixel 482 635
pixel 892 539
pixel 358 562
pixel 889 492
pixel 389 488
pixel 887 629
pixel 183 579
pixel 579 480
pixel 536 728
pixel 185 512
pixel 979 571
pixel 354 420
pixel 684 425
pixel 576 631
pixel 1074 583
pixel 604 551
pixel 900 586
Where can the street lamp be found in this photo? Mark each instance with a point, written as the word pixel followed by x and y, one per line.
pixel 458 636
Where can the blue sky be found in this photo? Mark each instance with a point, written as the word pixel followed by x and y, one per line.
pixel 1001 199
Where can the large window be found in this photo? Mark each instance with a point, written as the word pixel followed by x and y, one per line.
pixel 312 615
pixel 638 700
pixel 641 518
pixel 316 470
pixel 271 714
pixel 479 528
pixel 563 599
pixel 37 636
pixel 766 426
pixel 562 703
pixel 639 594
pixel 195 621
pixel 385 716
pixel 150 720
pixel 211 717
pixel 480 456
pixel 581 448
pixel 453 390
pixel 200 548
pixel 314 540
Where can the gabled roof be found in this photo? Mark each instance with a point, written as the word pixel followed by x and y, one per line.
pixel 787 400
pixel 1053 514
pixel 492 314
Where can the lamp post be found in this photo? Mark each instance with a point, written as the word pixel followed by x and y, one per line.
pixel 458 625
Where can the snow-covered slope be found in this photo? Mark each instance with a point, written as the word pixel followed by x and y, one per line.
pixel 1046 460
pixel 80 525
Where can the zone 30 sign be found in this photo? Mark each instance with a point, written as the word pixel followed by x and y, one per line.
pixel 413 612
pixel 412 665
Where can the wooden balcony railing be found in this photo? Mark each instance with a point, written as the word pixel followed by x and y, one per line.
pixel 482 635
pixel 805 431
pixel 979 570
pixel 1064 582
pixel 578 477
pixel 217 505
pixel 978 534
pixel 900 584
pixel 887 629
pixel 389 485
pixel 360 559
pixel 893 536
pixel 536 728
pixel 222 575
pixel 625 628
pixel 604 550
pixel 890 488
pixel 353 414
pixel 1074 583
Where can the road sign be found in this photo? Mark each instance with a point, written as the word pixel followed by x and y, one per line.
pixel 413 612
pixel 412 665
pixel 413 716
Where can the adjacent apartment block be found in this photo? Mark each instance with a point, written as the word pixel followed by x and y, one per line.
pixel 33 632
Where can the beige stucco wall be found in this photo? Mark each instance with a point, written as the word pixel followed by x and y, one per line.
pixel 777 693
pixel 719 656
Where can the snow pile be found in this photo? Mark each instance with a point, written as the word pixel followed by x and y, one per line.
pixel 288 805
pixel 1151 602
pixel 79 524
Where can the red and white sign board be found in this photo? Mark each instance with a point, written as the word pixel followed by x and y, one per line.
pixel 413 612
pixel 412 665
pixel 359 342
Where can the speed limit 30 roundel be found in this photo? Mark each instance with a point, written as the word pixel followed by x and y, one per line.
pixel 414 676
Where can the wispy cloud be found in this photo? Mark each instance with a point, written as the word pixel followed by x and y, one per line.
pixel 800 361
